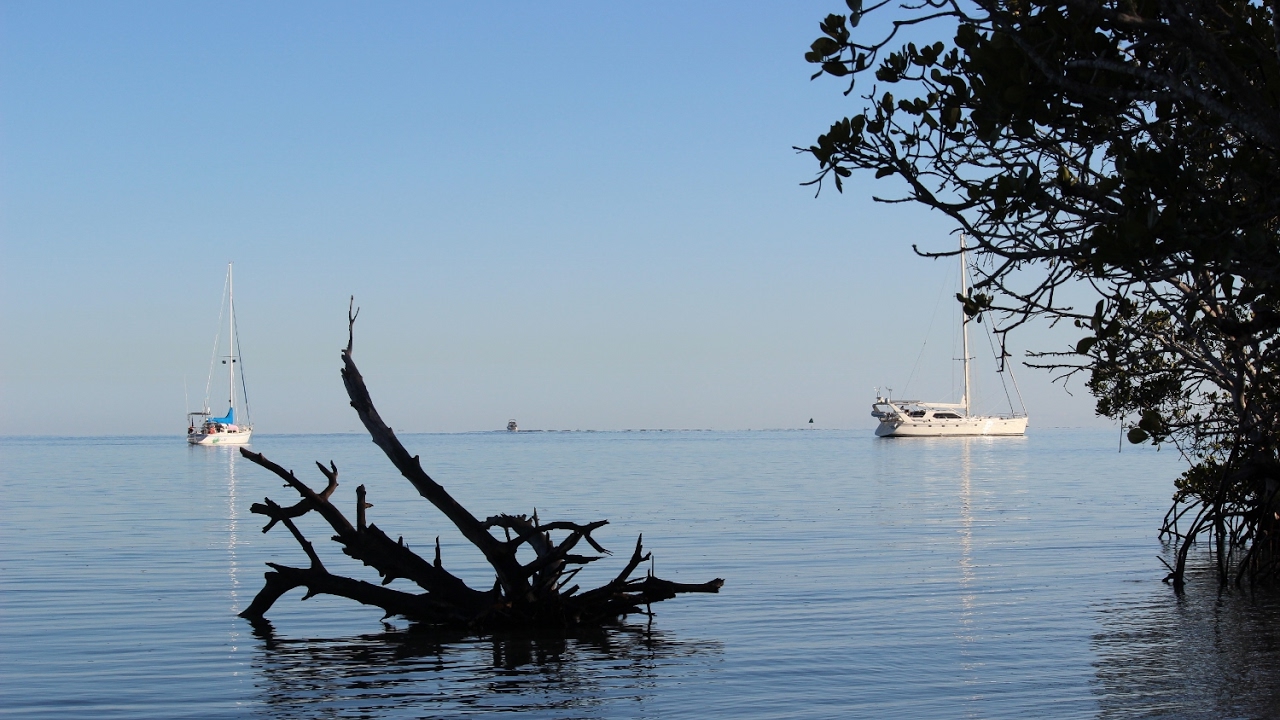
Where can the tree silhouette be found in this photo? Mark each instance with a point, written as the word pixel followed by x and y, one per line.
pixel 1126 146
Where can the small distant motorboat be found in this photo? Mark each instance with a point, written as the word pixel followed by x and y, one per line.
pixel 202 427
pixel 512 427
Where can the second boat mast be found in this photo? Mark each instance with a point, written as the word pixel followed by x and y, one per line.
pixel 964 322
pixel 231 332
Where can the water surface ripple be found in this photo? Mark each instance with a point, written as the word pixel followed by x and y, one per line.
pixel 948 578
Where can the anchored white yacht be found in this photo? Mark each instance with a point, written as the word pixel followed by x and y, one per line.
pixel 918 418
pixel 202 427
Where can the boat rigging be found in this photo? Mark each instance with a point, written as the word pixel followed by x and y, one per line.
pixel 202 427
pixel 917 418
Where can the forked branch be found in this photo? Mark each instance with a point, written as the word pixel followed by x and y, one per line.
pixel 525 594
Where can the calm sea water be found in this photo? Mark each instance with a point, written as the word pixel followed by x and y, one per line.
pixel 867 578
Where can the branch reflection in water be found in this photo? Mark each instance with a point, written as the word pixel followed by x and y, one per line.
pixel 1203 655
pixel 421 672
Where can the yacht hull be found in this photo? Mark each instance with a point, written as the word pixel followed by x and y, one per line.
pixel 963 427
pixel 222 438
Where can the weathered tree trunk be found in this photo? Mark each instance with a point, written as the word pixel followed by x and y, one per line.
pixel 524 595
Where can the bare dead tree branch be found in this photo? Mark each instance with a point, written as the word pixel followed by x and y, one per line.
pixel 524 594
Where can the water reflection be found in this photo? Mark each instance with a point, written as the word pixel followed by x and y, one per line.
pixel 966 631
pixel 1199 656
pixel 233 531
pixel 217 468
pixel 419 672
pixel 967 574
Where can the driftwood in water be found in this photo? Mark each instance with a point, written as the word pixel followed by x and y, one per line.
pixel 525 594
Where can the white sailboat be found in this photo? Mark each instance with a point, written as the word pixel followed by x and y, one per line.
pixel 202 427
pixel 917 418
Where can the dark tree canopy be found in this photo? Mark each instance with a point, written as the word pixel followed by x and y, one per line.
pixel 1128 146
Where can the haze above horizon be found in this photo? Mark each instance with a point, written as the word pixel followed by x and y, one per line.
pixel 575 215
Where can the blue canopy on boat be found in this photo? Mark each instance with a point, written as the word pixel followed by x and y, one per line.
pixel 228 419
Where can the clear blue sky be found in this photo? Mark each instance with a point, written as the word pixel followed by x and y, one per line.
pixel 579 215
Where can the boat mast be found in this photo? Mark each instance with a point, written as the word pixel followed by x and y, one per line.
pixel 964 322
pixel 231 361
